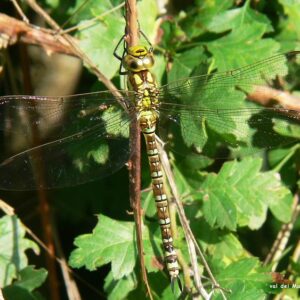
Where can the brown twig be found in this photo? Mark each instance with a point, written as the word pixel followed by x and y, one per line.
pixel 71 286
pixel 283 237
pixel 266 96
pixel 39 172
pixel 20 11
pixel 41 12
pixel 192 243
pixel 45 211
pixel 132 30
pixel 1 295
pixel 132 38
pixel 296 255
pixel 13 31
pixel 290 273
pixel 90 22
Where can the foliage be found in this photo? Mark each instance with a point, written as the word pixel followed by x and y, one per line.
pixel 19 279
pixel 235 209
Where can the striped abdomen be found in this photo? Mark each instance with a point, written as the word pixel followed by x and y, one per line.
pixel 161 202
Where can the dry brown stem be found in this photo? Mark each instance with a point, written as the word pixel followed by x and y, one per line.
pixel 13 31
pixel 267 96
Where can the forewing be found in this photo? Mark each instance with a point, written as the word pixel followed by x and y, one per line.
pixel 211 110
pixel 63 141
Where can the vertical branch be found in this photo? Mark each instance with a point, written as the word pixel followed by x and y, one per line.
pixel 132 30
pixel 132 38
pixel 39 170
pixel 283 236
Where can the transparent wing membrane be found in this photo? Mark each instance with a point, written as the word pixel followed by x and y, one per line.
pixel 211 111
pixel 208 131
pixel 262 72
pixel 65 141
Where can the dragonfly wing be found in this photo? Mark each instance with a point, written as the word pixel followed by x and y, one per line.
pixel 212 132
pixel 212 86
pixel 88 139
pixel 211 110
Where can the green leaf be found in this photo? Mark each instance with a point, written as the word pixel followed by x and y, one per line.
pixel 227 248
pixel 240 195
pixel 182 184
pixel 13 245
pixel 281 207
pixel 287 129
pixel 111 242
pixel 248 292
pixel 172 37
pixel 185 62
pixel 18 293
pixel 83 161
pixel 148 23
pixel 118 116
pixel 289 25
pixel 99 41
pixel 148 203
pixel 153 253
pixel 100 155
pixel 159 67
pixel 218 207
pixel 196 22
pixel 30 278
pixel 292 10
pixel 295 266
pixel 247 45
pixel 237 17
pixel 222 246
pixel 119 289
pixel 114 242
pixel 285 160
pixel 211 130
pixel 53 3
pixel 97 151
pixel 233 34
pixel 244 277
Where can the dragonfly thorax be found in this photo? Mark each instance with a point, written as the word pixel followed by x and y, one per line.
pixel 147 120
pixel 137 59
pixel 137 62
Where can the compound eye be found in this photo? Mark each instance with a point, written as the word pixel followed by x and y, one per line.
pixel 133 65
pixel 148 61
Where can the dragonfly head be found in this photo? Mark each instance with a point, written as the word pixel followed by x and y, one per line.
pixel 138 58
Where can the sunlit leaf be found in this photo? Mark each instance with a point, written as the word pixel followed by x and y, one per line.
pixel 239 195
pixel 111 242
pixel 13 245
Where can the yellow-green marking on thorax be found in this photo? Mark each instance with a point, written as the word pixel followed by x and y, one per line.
pixel 138 62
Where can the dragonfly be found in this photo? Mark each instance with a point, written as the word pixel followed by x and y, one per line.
pixel 89 133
